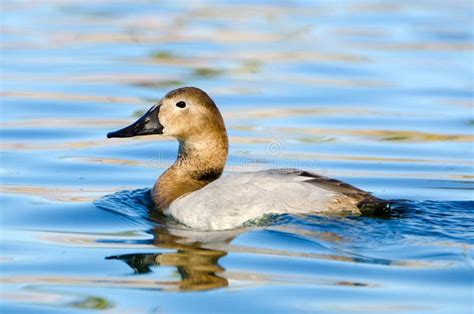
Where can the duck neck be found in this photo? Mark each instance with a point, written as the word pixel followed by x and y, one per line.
pixel 200 161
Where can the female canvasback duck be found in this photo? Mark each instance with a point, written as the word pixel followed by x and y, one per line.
pixel 192 190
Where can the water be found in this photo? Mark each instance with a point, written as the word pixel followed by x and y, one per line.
pixel 378 94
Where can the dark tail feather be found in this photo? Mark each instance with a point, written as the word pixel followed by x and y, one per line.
pixel 376 208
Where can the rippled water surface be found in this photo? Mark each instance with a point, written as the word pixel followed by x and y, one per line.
pixel 376 93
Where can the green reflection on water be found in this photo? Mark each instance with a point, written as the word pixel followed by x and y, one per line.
pixel 163 55
pixel 206 72
pixel 96 303
pixel 160 84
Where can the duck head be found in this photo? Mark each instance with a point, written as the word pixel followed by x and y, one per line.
pixel 189 115
pixel 185 113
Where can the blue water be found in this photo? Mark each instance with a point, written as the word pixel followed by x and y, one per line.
pixel 378 94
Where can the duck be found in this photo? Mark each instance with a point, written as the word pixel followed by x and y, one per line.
pixel 194 192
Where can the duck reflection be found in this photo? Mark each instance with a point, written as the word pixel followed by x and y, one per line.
pixel 198 266
pixel 196 256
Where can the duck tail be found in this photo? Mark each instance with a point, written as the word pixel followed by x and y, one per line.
pixel 376 207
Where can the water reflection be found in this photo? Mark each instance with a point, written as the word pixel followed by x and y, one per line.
pixel 198 267
pixel 196 258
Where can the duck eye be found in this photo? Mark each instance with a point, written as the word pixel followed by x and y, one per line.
pixel 181 104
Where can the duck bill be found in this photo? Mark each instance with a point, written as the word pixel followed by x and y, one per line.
pixel 148 124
